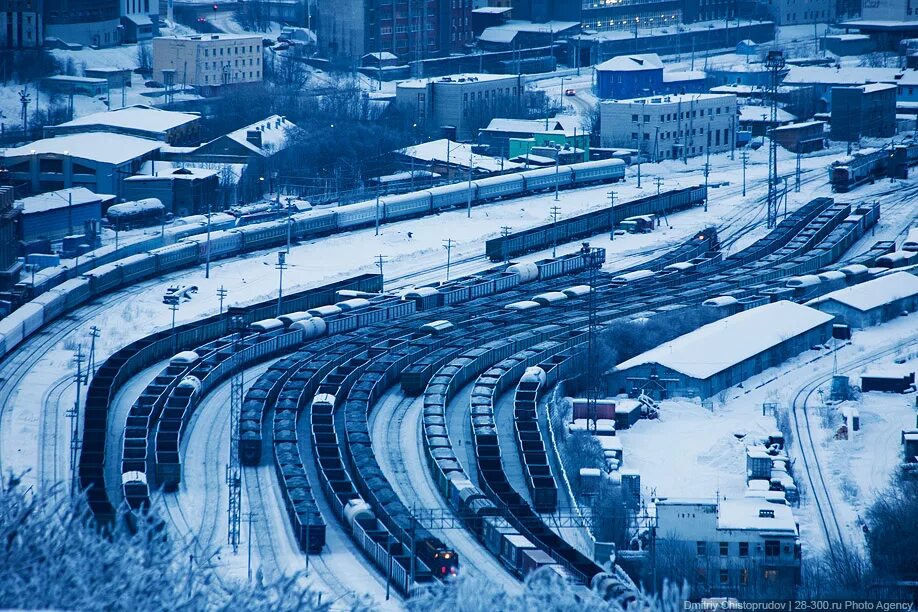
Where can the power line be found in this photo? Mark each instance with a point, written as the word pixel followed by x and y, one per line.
pixel 380 260
pixel 448 245
pixel 221 295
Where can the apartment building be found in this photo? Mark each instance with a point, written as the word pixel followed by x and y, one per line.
pixel 21 23
pixel 209 60
pixel 738 547
pixel 670 127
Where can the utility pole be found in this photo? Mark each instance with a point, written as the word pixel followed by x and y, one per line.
pixel 659 181
pixel 774 62
pixel 448 245
pixel 289 221
pixel 505 233
pixel 557 169
pixel 707 171
pixel 207 245
pixel 221 295
pixel 173 302
pixel 640 141
pixel 94 333
pixel 250 518
pixel 744 155
pixel 380 259
pixel 611 215
pixel 468 212
pixel 280 266
pixel 797 174
pixel 377 210
pixel 233 471
pixel 74 415
pixel 555 213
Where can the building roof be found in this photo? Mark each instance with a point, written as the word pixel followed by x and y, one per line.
pixel 637 61
pixel 273 134
pixel 498 36
pixel 208 37
pixel 456 79
pixel 459 154
pixel 166 173
pixel 672 99
pixel 849 75
pixel 135 117
pixel 492 10
pixel 743 513
pixel 753 114
pixel 65 78
pixel 875 87
pixel 797 126
pixel 874 293
pixel 562 123
pixel 101 147
pixel 382 55
pixel 676 76
pixel 720 345
pixel 51 200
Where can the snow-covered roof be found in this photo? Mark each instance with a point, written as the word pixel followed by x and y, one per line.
pixel 382 55
pixel 802 124
pixel 167 173
pixel 687 98
pixel 496 35
pixel 137 206
pixel 137 117
pixel 102 147
pixel 459 154
pixel 875 87
pixel 492 10
pixel 62 198
pixel 849 75
pixel 873 293
pixel 745 513
pixel 455 79
pixel 753 113
pixel 729 341
pixel 676 76
pixel 208 37
pixel 637 61
pixel 273 134
pixel 65 78
pixel 547 27
pixel 562 123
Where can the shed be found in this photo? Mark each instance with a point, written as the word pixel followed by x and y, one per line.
pixel 887 383
pixel 910 445
pixel 872 302
pixel 726 352
pixel 627 413
pixel 56 214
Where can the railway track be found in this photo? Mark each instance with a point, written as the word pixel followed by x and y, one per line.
pixel 809 452
pixel 48 470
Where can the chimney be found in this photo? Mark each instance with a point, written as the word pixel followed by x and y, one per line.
pixel 254 137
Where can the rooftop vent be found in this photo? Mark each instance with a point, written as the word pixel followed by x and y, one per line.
pixel 766 514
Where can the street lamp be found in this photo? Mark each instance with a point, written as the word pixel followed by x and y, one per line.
pixel 69 195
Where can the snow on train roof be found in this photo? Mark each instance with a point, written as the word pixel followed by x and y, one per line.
pixel 873 293
pixel 717 346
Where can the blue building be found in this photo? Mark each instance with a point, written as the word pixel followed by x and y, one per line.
pixel 634 76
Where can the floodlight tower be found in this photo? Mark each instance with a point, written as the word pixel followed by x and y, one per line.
pixel 774 62
pixel 594 258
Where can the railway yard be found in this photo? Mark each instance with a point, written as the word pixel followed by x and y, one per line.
pixel 391 422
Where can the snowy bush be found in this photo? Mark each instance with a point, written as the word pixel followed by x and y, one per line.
pixel 543 591
pixel 55 557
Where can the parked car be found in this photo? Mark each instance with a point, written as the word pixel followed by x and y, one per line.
pixel 570 92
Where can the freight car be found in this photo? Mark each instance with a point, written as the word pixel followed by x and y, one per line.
pixel 592 223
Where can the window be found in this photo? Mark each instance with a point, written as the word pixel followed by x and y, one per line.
pixel 634 118
pixel 646 118
pixel 724 549
pixel 724 576
pixel 771 575
pixel 634 135
pixel 699 546
pixel 206 52
pixel 744 549
pixel 646 136
pixel 772 548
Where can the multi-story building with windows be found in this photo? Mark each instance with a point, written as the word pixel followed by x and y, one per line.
pixel 140 19
pixel 86 22
pixel 411 29
pixel 670 127
pixel 209 60
pixel 21 23
pixel 731 547
pixel 464 103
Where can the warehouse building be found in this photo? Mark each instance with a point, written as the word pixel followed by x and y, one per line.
pixel 724 353
pixel 670 127
pixel 872 302
pixel 183 191
pixel 56 214
pixel 864 111
pixel 736 547
pixel 97 161
pixel 143 121
pixel 10 266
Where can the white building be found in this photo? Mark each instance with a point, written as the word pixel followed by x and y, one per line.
pixel 744 546
pixel 670 127
pixel 209 60
pixel 789 12
pixel 140 19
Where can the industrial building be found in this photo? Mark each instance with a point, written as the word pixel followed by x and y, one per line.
pixel 21 24
pixel 182 191
pixel 792 12
pixel 139 20
pixel 98 161
pixel 872 302
pixel 208 60
pixel 823 79
pixel 804 137
pixel 724 353
pixel 863 111
pixel 143 121
pixel 670 127
pixel 260 140
pixel 346 31
pixel 462 103
pixel 632 76
pixel 736 547
pixel 514 137
pixel 10 266
pixel 95 23
pixel 56 214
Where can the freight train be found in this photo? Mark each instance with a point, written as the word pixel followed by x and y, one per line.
pixel 869 165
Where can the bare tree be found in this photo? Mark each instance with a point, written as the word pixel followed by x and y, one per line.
pixel 144 57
